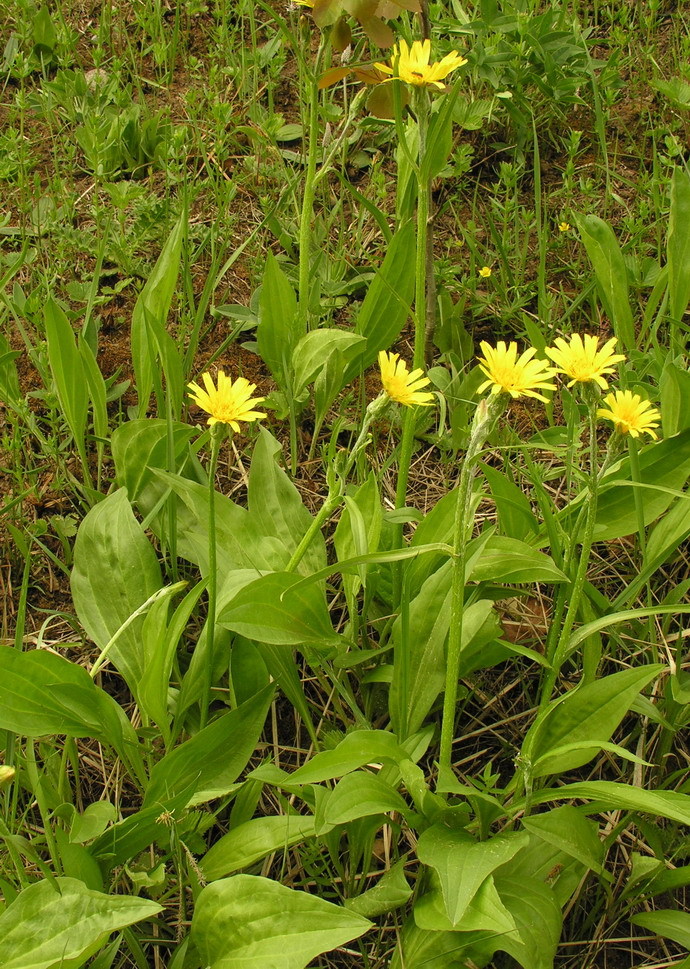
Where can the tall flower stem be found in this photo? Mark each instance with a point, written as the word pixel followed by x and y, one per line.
pixel 305 228
pixel 336 487
pixel 423 198
pixel 561 648
pixel 217 435
pixel 485 417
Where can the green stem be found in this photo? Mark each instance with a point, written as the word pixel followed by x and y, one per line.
pixel 336 490
pixel 486 415
pixel 560 651
pixel 308 196
pixel 407 442
pixel 217 433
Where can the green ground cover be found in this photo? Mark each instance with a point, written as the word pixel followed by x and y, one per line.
pixel 343 464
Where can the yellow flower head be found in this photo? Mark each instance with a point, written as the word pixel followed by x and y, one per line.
pixel 411 64
pixel 518 376
pixel 630 413
pixel 485 272
pixel 563 226
pixel 230 403
pixel 580 359
pixel 401 385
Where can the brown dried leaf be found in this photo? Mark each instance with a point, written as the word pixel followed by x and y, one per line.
pixel 341 37
pixel 328 78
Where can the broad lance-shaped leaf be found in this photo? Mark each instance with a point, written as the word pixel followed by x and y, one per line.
pixel 67 369
pixel 115 571
pixel 151 312
pixel 253 840
pixel 254 923
pixel 610 795
pixel 354 751
pixel 270 610
pixel 611 274
pixel 42 693
pixel 386 306
pixel 214 757
pixel 589 713
pixel 463 864
pixel 664 463
pixel 60 923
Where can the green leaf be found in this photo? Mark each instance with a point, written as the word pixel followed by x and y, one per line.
pixel 151 312
pixel 355 750
pixel 463 864
pixel 386 307
pixel 678 245
pixel 67 369
pixel 279 327
pixel 669 923
pixel 138 446
pixel 60 924
pixel 665 463
pixel 485 913
pixel 276 507
pixel 314 350
pixel 587 715
pixel 567 829
pixel 125 840
pixel 253 840
pixel 674 391
pixel 254 923
pixel 214 757
pixel 359 794
pixel 609 795
pixel 511 561
pixel 115 571
pixel 611 274
pixel 515 514
pixel 390 892
pixel 538 919
pixel 41 693
pixel 271 610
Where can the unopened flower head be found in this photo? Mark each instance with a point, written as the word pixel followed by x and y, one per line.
pixel 518 376
pixel 630 413
pixel 411 64
pixel 229 403
pixel 580 359
pixel 401 385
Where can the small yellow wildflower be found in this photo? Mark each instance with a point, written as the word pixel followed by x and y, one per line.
pixel 230 403
pixel 485 272
pixel 401 385
pixel 411 64
pixel 563 226
pixel 518 376
pixel 580 359
pixel 630 414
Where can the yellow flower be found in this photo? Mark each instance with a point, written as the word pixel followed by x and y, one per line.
pixel 412 64
pixel 230 403
pixel 485 272
pixel 582 361
pixel 518 376
pixel 630 413
pixel 401 385
pixel 563 226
